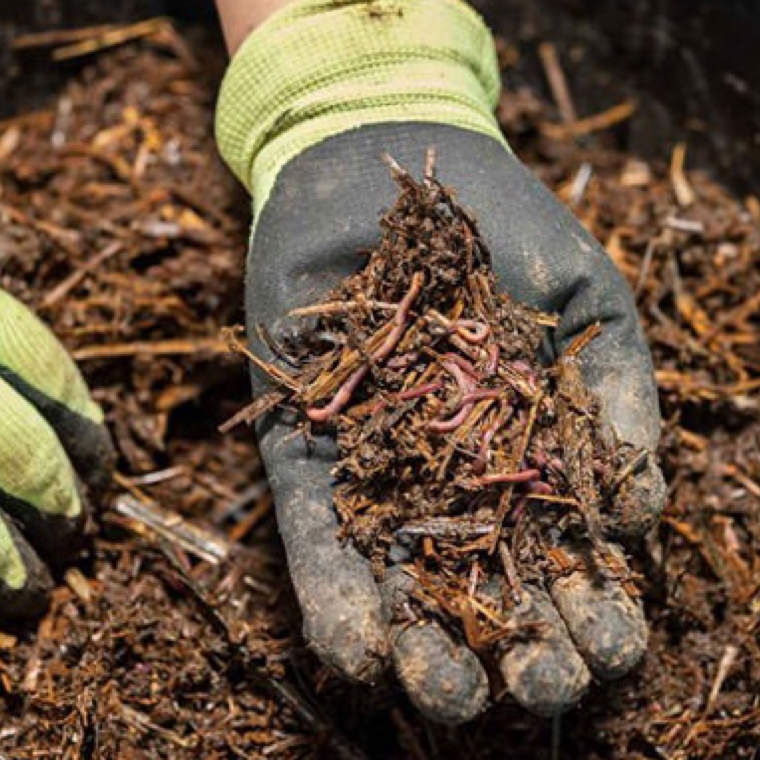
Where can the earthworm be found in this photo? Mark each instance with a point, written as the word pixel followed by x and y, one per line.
pixel 462 363
pixel 400 319
pixel 466 385
pixel 466 404
pixel 472 330
pixel 463 372
pixel 446 426
pixel 340 399
pixel 420 390
pixel 523 476
pixel 480 394
pixel 409 394
pixel 346 390
pixel 465 382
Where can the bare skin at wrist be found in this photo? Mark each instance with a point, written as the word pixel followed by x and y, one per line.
pixel 240 17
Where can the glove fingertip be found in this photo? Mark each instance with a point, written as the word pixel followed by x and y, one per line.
pixel 94 457
pixel 545 674
pixel 444 680
pixel 356 647
pixel 607 625
pixel 342 615
pixel 25 581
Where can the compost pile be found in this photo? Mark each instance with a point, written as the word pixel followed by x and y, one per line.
pixel 449 429
pixel 123 230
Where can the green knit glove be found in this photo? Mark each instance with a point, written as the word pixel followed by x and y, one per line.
pixel 313 71
pixel 50 429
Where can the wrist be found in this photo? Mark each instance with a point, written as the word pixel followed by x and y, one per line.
pixel 239 17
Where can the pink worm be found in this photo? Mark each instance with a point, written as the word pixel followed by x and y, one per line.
pixel 345 392
pixel 471 330
pixel 466 385
pixel 420 390
pixel 446 426
pixel 509 477
pixel 458 366
pixel 340 399
pixel 480 394
pixel 408 395
pixel 400 319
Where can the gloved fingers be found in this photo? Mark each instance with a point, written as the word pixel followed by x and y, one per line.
pixel 24 580
pixel 544 673
pixel 37 483
pixel 444 680
pixel 339 600
pixel 35 364
pixel 605 622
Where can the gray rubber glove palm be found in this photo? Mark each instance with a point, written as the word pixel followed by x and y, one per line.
pixel 49 429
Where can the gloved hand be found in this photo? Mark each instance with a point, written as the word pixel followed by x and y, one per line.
pixel 310 102
pixel 49 428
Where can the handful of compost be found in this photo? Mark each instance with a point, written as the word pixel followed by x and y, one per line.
pixel 469 472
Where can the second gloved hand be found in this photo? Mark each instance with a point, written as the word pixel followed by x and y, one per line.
pixel 311 101
pixel 50 430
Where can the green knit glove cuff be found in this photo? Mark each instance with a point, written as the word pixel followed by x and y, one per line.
pixel 316 69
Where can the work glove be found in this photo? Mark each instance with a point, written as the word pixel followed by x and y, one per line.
pixel 50 429
pixel 310 102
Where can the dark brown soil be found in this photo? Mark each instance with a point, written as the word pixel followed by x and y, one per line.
pixel 120 226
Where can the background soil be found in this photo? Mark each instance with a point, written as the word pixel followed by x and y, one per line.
pixel 121 227
pixel 691 64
